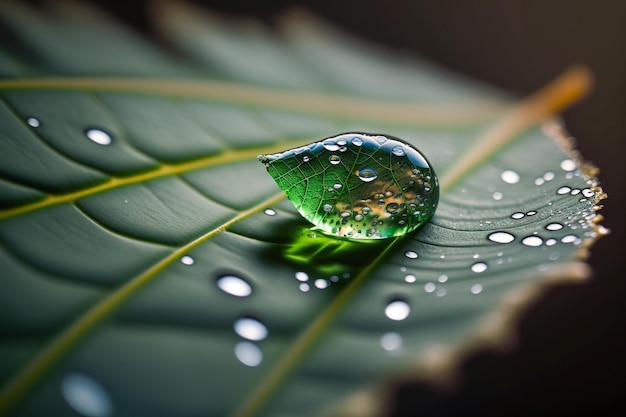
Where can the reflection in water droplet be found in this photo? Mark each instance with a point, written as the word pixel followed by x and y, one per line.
pixel 248 353
pixel 321 283
pixel 33 122
pixel 497 196
pixel 442 278
pixel 517 215
pixel 187 260
pixel 479 267
pixel 554 226
pixel 410 278
pixel 476 289
pixel 86 396
pixel 367 174
pixel 334 159
pixel 568 165
pixel 532 241
pixel 250 329
pixel 304 287
pixel 501 237
pixel 270 212
pixel 397 310
pixel 302 276
pixel 234 286
pixel 411 254
pixel 563 190
pixel 391 341
pixel 510 177
pixel 430 287
pixel 99 136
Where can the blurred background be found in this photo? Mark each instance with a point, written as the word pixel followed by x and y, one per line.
pixel 570 360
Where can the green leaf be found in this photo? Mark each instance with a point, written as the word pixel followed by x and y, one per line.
pixel 137 227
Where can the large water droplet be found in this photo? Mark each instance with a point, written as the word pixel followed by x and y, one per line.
pixel 397 310
pixel 187 260
pixel 501 237
pixel 532 241
pixel 86 396
pixel 250 329
pixel 234 285
pixel 367 175
pixel 510 177
pixel 391 341
pixel 248 353
pixel 33 122
pixel 99 136
pixel 479 267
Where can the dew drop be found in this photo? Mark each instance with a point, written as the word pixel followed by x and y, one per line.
pixel 497 196
pixel 430 287
pixel 234 285
pixel 367 175
pixel 99 136
pixel 510 177
pixel 563 190
pixel 321 283
pixel 532 241
pixel 501 237
pixel 568 165
pixel 330 145
pixel 398 151
pixel 411 254
pixel 334 159
pixel 518 215
pixel 302 276
pixel 357 141
pixel 391 341
pixel 250 329
pixel 476 289
pixel 479 267
pixel 397 310
pixel 410 278
pixel 270 212
pixel 33 122
pixel 86 396
pixel 248 353
pixel 554 226
pixel 187 260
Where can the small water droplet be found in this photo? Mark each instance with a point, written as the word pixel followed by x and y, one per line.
pixel 234 285
pixel 411 254
pixel 398 150
pixel 337 186
pixel 367 175
pixel 575 191
pixel 548 176
pixel 554 226
pixel 321 283
pixel 501 237
pixel 250 329
pixel 532 241
pixel 410 278
pixel 476 289
pixel 497 196
pixel 539 181
pixel 479 267
pixel 563 190
pixel 33 122
pixel 334 159
pixel 304 287
pixel 551 242
pixel 510 177
pixel 588 192
pixel 306 158
pixel 248 353
pixel 99 136
pixel 380 139
pixel 187 260
pixel 517 215
pixel 392 208
pixel 270 212
pixel 531 213
pixel 441 292
pixel 357 141
pixel 568 165
pixel 358 217
pixel 570 239
pixel 397 310
pixel 475 256
pixel 302 276
pixel 327 208
pixel 330 145
pixel 86 396
pixel 430 287
pixel 391 341
pixel 442 278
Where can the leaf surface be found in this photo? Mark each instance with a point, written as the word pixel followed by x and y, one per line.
pixel 113 256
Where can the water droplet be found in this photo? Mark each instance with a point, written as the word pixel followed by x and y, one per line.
pixel 475 256
pixel 327 208
pixel 497 196
pixel 391 341
pixel 568 165
pixel 410 278
pixel 551 242
pixel 248 353
pixel 479 267
pixel 539 181
pixel 517 215
pixel 337 186
pixel 33 122
pixel 270 212
pixel 588 192
pixel 554 226
pixel 570 239
pixel 321 283
pixel 358 217
pixel 367 175
pixel 575 191
pixel 430 287
pixel 548 176
pixel 334 159
pixel 392 208
pixel 563 190
pixel 187 260
pixel 250 329
pixel 532 241
pixel 306 158
pixel 304 287
pixel 501 237
pixel 510 177
pixel 357 141
pixel 302 276
pixel 411 254
pixel 234 285
pixel 330 145
pixel 86 396
pixel 380 139
pixel 398 150
pixel 397 310
pixel 476 289
pixel 531 213
pixel 99 136
pixel 442 278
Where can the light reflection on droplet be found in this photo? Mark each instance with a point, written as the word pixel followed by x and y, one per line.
pixel 187 260
pixel 497 196
pixel 99 136
pixel 568 165
pixel 250 329
pixel 33 122
pixel 397 310
pixel 517 215
pixel 391 341
pixel 479 267
pixel 234 286
pixel 554 226
pixel 248 353
pixel 410 278
pixel 411 254
pixel 270 212
pixel 532 241
pixel 476 289
pixel 501 237
pixel 321 283
pixel 86 396
pixel 430 287
pixel 510 177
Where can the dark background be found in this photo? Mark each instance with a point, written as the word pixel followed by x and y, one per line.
pixel 570 360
